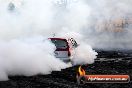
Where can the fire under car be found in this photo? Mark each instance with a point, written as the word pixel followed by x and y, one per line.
pixel 65 48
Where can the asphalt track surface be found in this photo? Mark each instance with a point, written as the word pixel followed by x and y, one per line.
pixel 108 62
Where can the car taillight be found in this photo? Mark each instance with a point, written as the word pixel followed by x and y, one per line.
pixel 69 53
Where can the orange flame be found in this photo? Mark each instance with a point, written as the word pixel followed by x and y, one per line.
pixel 81 71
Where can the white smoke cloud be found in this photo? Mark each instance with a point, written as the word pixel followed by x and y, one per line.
pixel 23 50
pixel 104 24
pixel 28 57
pixel 31 18
pixel 109 25
pixel 84 54
pixel 88 21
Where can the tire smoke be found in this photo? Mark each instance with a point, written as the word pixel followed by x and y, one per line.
pixel 25 26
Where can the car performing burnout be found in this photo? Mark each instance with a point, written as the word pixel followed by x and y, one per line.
pixel 65 48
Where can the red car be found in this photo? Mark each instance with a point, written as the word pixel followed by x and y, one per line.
pixel 65 48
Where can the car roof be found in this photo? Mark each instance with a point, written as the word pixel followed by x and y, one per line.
pixel 57 38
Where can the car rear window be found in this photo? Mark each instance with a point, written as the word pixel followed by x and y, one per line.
pixel 60 43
